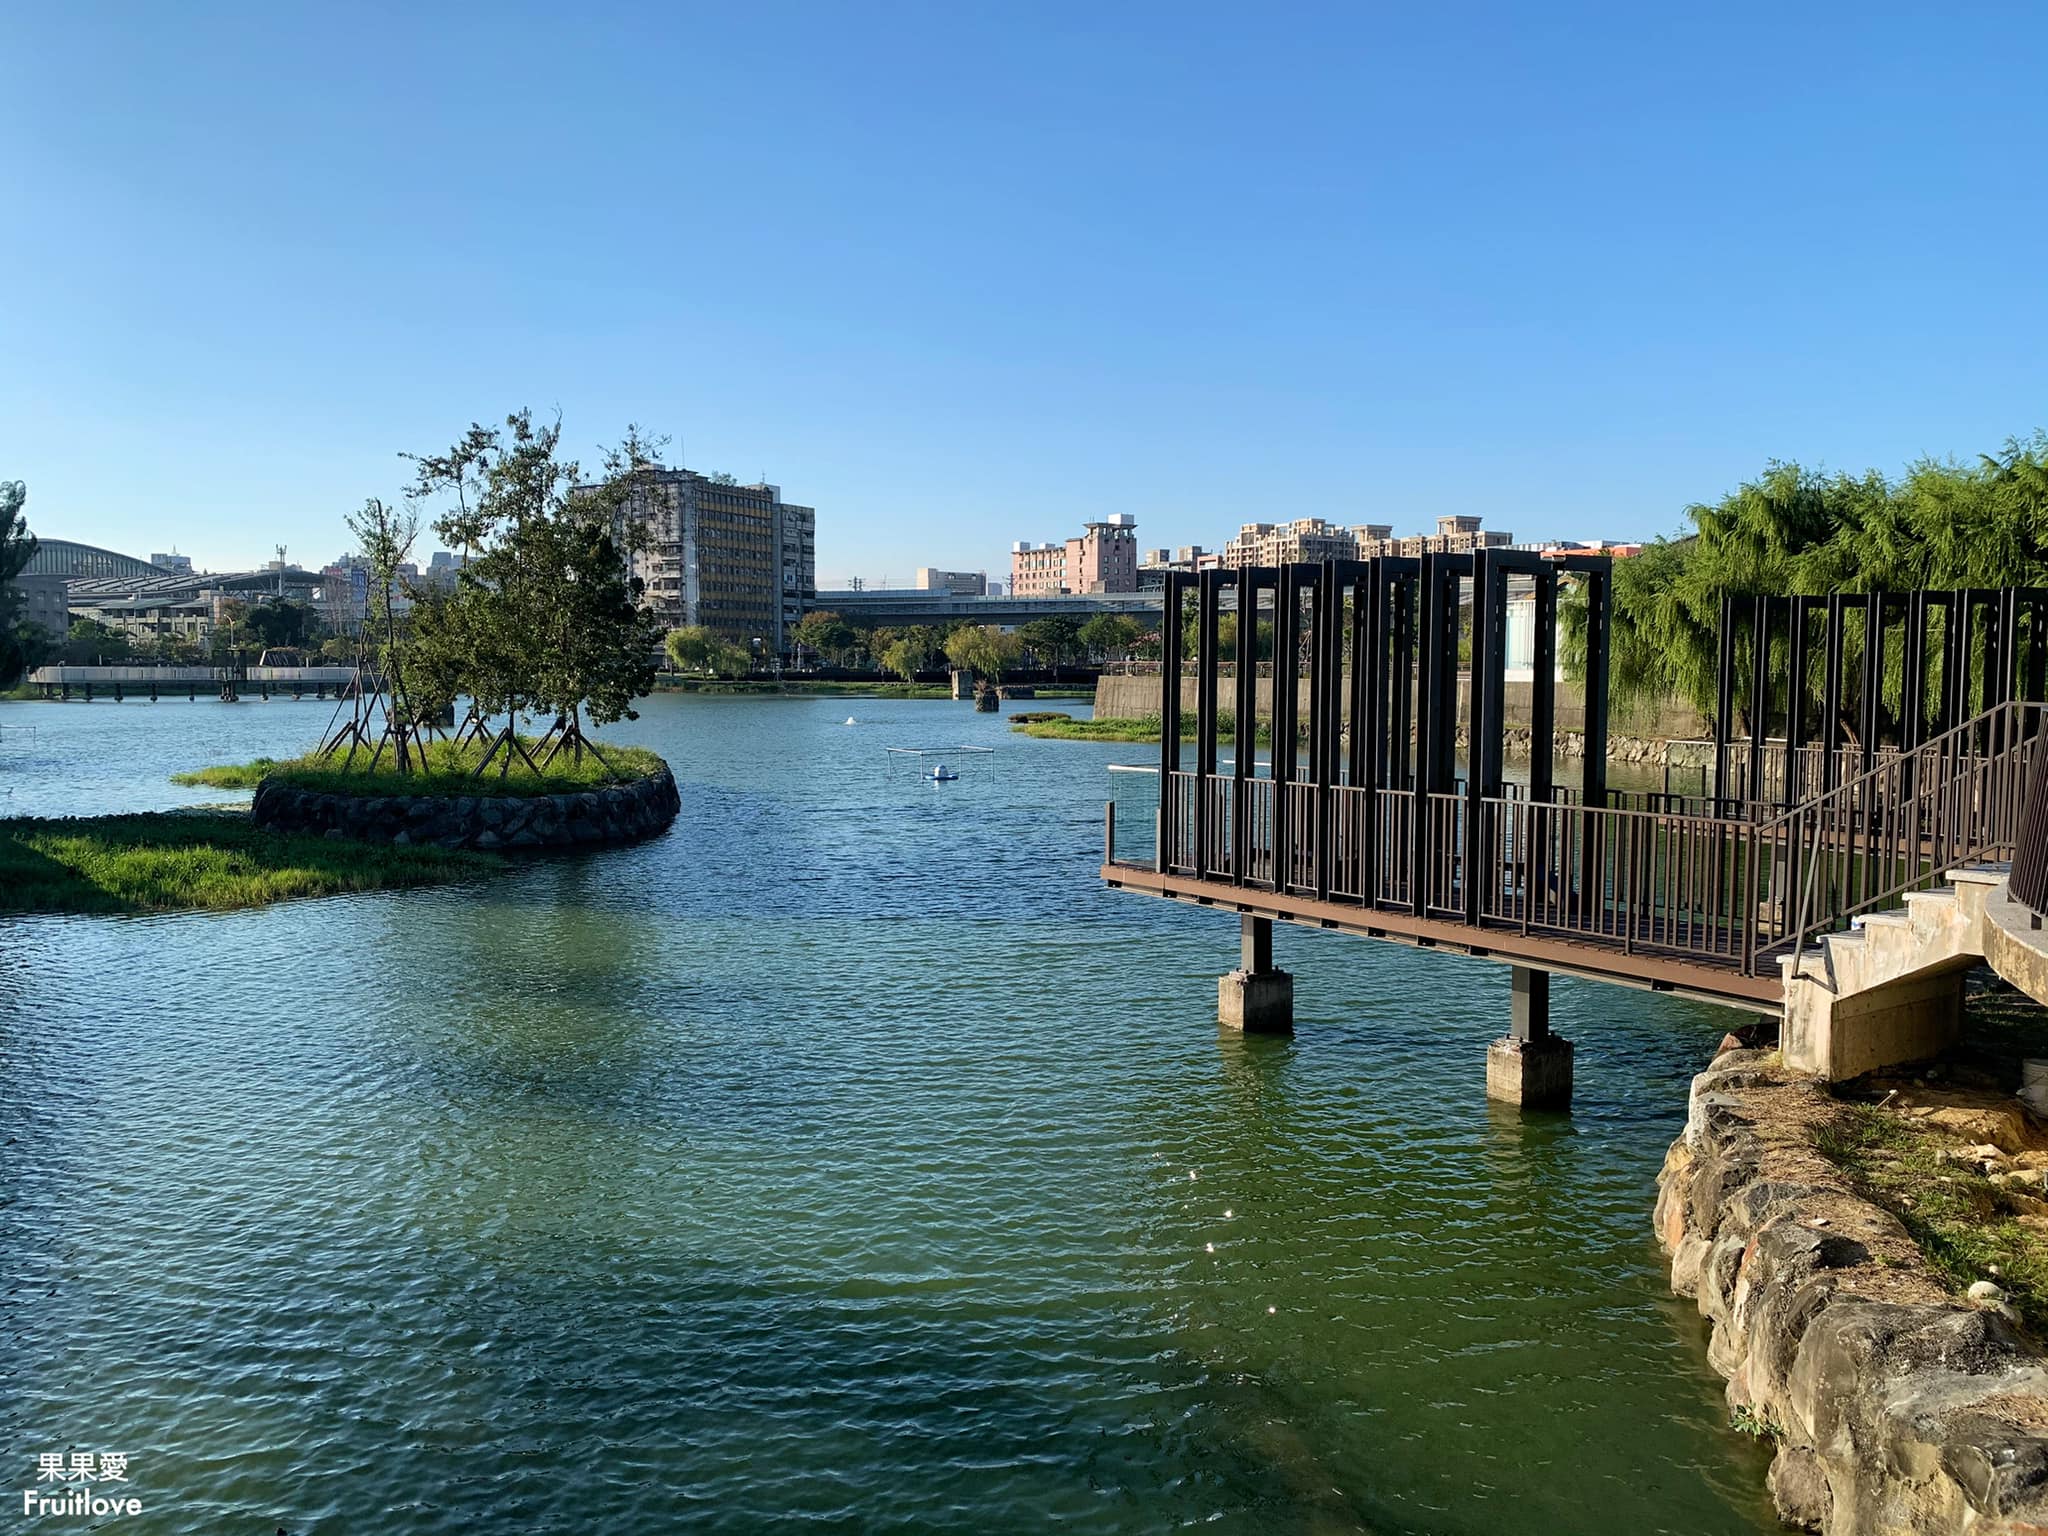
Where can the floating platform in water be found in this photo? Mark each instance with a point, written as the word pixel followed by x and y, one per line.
pixel 940 773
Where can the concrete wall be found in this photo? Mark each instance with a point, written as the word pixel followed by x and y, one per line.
pixel 1127 697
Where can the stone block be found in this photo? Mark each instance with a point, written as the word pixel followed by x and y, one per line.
pixel 1536 1074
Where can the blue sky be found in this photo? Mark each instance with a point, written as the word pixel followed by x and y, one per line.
pixel 958 274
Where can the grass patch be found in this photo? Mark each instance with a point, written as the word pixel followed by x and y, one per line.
pixel 1056 727
pixel 1962 1222
pixel 448 772
pixel 180 860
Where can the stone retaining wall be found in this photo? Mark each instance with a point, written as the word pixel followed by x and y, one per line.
pixel 619 813
pixel 1895 1407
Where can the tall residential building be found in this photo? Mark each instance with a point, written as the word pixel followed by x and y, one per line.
pixel 737 559
pixel 1306 538
pixel 1103 559
pixel 1453 536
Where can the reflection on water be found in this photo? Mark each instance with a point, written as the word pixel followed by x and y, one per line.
pixel 847 1157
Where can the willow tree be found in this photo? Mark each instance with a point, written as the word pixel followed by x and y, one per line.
pixel 1794 531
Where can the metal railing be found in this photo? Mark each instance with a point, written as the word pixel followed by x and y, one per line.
pixel 2030 845
pixel 1648 873
pixel 1901 826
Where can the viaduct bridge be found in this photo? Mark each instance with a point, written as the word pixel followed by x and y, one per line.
pixel 1807 880
pixel 225 683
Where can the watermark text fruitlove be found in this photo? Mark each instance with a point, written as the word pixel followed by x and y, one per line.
pixel 83 1483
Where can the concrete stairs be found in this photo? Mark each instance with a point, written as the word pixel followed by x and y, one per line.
pixel 1889 989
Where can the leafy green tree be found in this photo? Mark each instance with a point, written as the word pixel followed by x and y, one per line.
pixel 1794 531
pixel 825 633
pixel 281 623
pixel 905 657
pixel 1109 634
pixel 545 616
pixel 91 643
pixel 17 548
pixel 690 648
pixel 385 535
pixel 1053 640
pixel 984 650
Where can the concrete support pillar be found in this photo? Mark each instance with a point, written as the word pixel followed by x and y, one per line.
pixel 1530 1066
pixel 1255 997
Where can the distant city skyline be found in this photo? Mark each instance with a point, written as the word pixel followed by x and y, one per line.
pixel 979 276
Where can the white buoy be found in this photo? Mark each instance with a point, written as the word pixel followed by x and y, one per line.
pixel 851 721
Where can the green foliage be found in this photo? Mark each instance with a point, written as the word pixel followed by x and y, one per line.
pixel 1110 635
pixel 1746 1420
pixel 1794 530
pixel 824 633
pixel 443 769
pixel 90 643
pixel 908 653
pixel 984 650
pixel 544 617
pixel 1055 640
pixel 198 859
pixel 17 548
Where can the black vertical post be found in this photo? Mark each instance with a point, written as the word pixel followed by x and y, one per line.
pixel 1375 600
pixel 1759 692
pixel 1795 699
pixel 1488 723
pixel 1208 675
pixel 1429 663
pixel 1169 713
pixel 1913 679
pixel 1364 717
pixel 1599 630
pixel 1831 692
pixel 1329 717
pixel 1871 717
pixel 1543 691
pixel 1407 596
pixel 1286 683
pixel 2035 675
pixel 1724 708
pixel 1245 703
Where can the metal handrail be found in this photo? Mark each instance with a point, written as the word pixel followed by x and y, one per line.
pixel 1943 804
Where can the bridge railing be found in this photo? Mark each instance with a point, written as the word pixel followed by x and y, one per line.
pixel 2030 851
pixel 1956 799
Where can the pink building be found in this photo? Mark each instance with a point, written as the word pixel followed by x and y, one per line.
pixel 1103 559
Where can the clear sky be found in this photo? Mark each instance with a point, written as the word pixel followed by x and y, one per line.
pixel 963 273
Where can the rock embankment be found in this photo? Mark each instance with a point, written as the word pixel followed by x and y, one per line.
pixel 1895 1407
pixel 617 813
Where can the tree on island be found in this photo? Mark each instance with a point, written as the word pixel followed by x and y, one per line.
pixel 545 618
pixel 17 548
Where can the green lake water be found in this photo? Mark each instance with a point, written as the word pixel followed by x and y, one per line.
pixel 847 1159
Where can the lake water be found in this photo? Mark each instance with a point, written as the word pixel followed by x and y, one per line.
pixel 847 1159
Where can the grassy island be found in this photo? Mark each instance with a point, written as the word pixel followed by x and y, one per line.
pixel 1058 727
pixel 181 860
pixel 449 771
